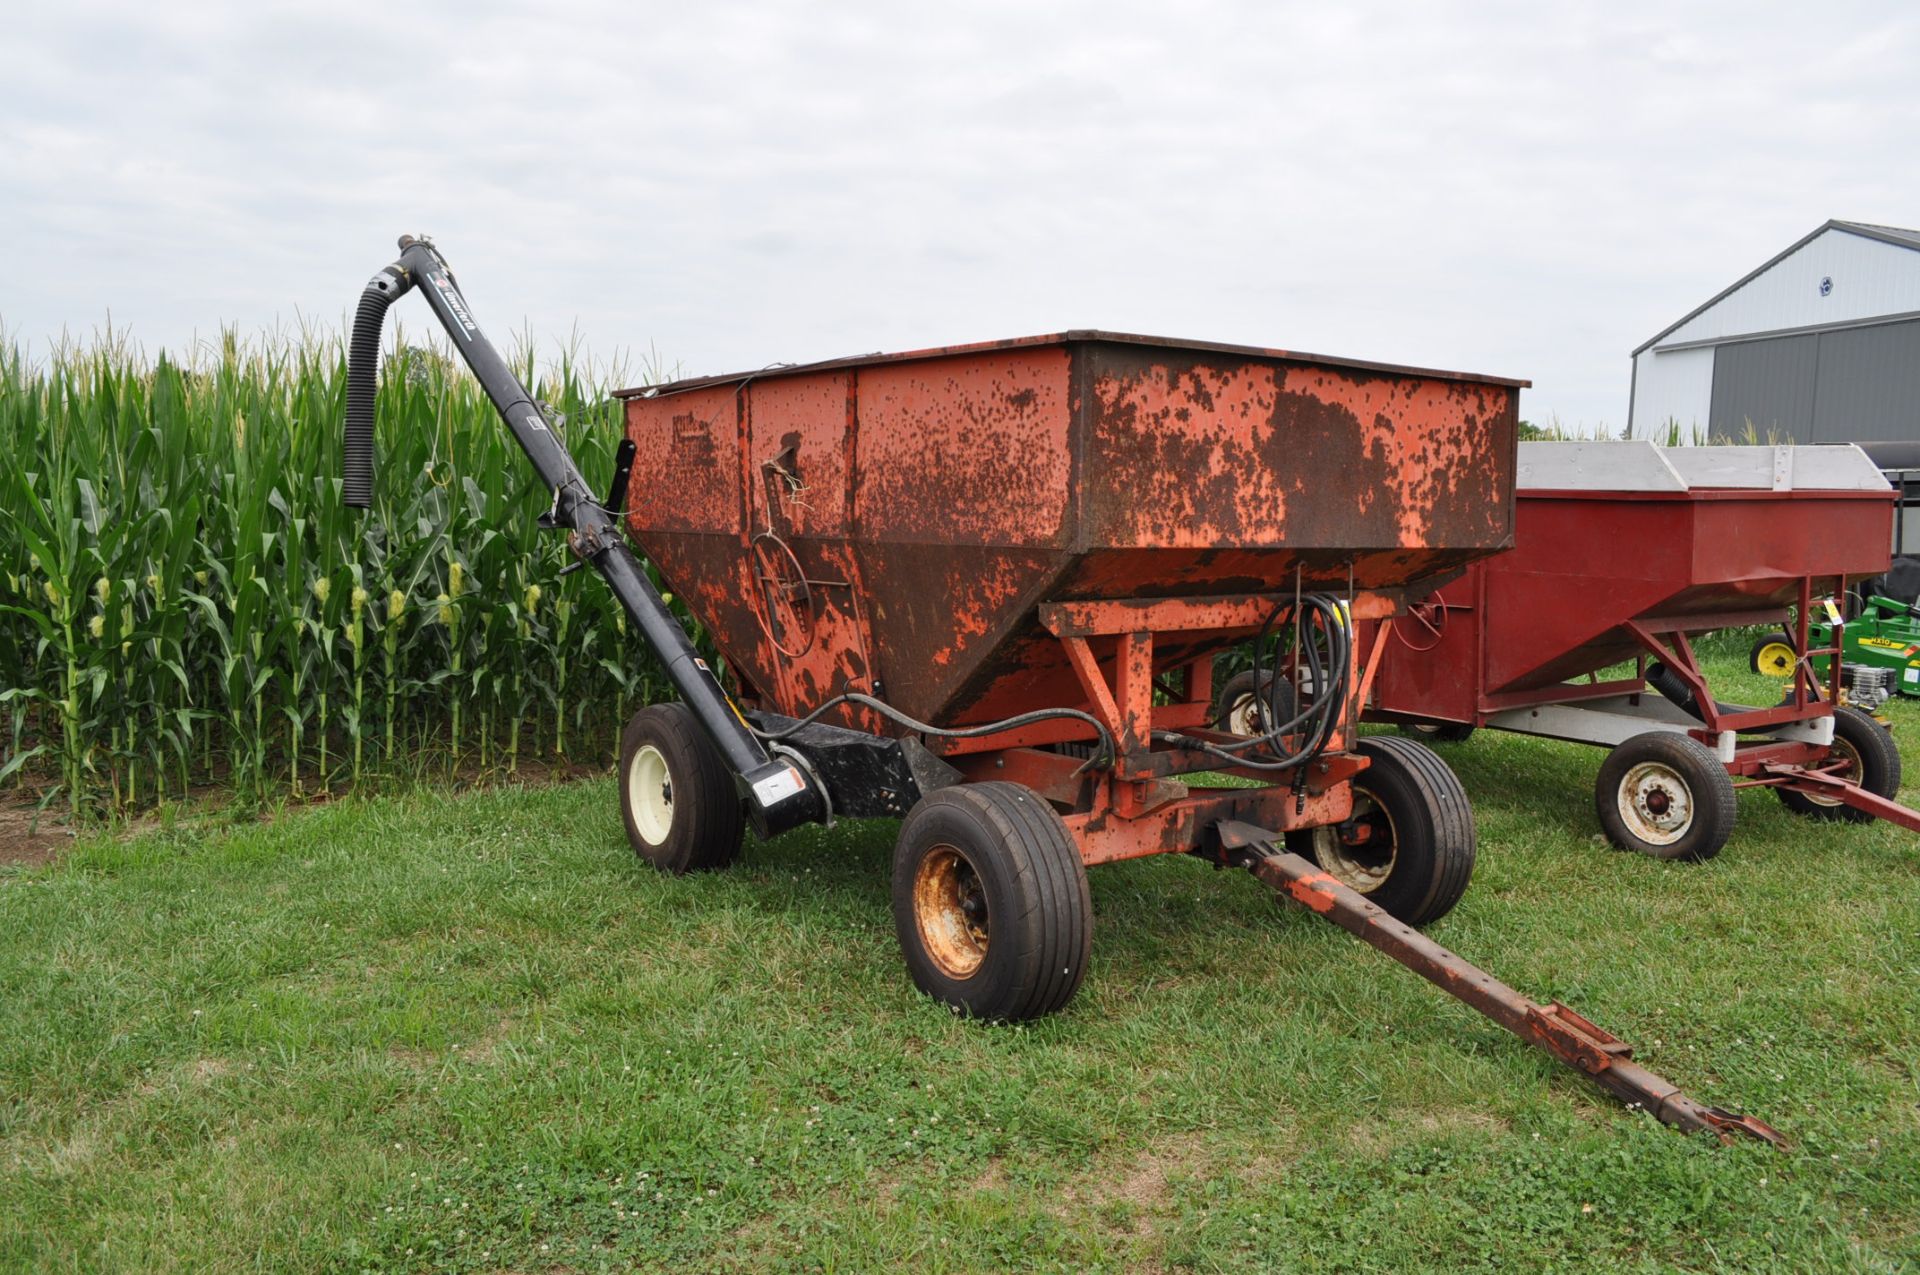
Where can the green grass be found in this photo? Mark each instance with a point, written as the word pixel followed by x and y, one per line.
pixel 429 1032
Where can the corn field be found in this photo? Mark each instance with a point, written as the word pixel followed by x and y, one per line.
pixel 187 602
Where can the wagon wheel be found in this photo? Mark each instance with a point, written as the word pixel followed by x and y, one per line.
pixel 786 599
pixel 1427 624
pixel 676 794
pixel 990 902
pixel 1665 795
pixel 1863 753
pixel 1447 732
pixel 1240 710
pixel 1409 845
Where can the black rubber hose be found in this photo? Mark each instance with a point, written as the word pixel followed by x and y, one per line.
pixel 1673 688
pixel 363 383
pixel 1319 718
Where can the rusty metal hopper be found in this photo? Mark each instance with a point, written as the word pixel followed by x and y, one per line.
pixel 892 523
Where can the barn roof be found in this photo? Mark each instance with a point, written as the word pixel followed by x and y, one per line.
pixel 1895 235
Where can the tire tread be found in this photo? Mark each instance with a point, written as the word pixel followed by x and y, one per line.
pixel 704 791
pixel 1711 787
pixel 1051 936
pixel 1879 762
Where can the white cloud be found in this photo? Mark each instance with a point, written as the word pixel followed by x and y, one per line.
pixel 1519 189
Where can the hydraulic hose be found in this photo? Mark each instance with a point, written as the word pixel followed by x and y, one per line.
pixel 363 382
pixel 1318 620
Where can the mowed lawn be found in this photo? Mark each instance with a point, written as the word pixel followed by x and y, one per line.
pixel 469 1032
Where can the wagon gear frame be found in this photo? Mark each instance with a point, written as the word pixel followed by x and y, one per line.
pixel 1086 623
pixel 1626 552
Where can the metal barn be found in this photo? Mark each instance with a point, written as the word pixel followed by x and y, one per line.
pixel 1819 345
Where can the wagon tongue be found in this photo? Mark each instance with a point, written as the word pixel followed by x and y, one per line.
pixel 1554 1028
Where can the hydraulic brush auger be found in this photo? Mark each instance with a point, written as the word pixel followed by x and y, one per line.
pixel 778 794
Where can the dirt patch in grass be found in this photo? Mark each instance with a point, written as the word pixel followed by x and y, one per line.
pixel 22 844
pixel 1377 1137
pixel 479 1049
pixel 205 1070
pixel 1129 1193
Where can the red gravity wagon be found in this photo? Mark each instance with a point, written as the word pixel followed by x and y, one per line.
pixel 980 589
pixel 1624 552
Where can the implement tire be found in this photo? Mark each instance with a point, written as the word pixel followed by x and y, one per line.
pixel 677 796
pixel 990 902
pixel 1410 844
pixel 1875 766
pixel 1239 710
pixel 1445 732
pixel 1665 795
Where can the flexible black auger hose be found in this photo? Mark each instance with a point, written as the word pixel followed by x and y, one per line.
pixel 363 383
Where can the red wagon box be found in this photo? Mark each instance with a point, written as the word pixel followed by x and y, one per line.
pixel 1623 550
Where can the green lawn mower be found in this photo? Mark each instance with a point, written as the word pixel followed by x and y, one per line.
pixel 1880 649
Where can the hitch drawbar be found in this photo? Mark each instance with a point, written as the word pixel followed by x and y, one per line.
pixel 1554 1028
pixel 779 794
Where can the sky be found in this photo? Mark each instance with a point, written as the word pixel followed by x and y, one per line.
pixel 1526 190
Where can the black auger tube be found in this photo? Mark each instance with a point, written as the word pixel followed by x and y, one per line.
pixel 363 382
pixel 779 795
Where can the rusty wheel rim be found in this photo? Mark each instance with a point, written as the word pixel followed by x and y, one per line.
pixel 950 910
pixel 1365 867
pixel 1655 803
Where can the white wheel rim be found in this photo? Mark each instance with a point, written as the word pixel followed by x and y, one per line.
pixel 1244 717
pixel 650 794
pixel 1363 872
pixel 1655 803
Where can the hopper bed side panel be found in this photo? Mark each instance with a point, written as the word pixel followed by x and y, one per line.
pixel 799 474
pixel 1195 450
pixel 1793 534
pixel 1430 670
pixel 1580 569
pixel 962 513
pixel 689 444
pixel 967 451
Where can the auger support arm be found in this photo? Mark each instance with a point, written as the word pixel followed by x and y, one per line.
pixel 779 795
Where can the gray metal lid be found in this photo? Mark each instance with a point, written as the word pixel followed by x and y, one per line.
pixel 1639 465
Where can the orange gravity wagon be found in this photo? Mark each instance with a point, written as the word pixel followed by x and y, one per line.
pixel 981 588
